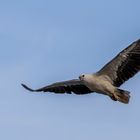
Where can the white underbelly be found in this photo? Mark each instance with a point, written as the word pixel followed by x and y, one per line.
pixel 100 86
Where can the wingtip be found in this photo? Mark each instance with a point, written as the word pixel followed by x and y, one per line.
pixel 26 87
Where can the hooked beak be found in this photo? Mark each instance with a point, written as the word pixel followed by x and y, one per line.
pixel 81 77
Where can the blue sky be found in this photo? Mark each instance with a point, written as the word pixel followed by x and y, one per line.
pixel 44 41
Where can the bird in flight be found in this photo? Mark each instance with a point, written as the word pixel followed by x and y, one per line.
pixel 106 81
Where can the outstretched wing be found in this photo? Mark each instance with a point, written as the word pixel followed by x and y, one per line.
pixel 124 66
pixel 75 86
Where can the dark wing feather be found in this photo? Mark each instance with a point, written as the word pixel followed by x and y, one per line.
pixel 124 66
pixel 75 86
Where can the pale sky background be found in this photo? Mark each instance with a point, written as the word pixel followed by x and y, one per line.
pixel 44 41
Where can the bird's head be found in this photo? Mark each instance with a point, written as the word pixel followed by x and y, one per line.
pixel 85 77
pixel 81 77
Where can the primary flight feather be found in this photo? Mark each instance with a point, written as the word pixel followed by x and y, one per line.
pixel 107 80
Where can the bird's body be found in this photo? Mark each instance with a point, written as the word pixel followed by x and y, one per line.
pixel 107 80
pixel 101 84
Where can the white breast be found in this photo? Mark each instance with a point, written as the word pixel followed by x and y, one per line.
pixel 98 84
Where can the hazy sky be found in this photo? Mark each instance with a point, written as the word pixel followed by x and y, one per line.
pixel 44 41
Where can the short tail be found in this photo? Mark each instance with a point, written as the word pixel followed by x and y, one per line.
pixel 122 96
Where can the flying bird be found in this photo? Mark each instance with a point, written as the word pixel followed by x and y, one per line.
pixel 106 81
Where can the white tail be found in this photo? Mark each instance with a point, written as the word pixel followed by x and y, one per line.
pixel 123 96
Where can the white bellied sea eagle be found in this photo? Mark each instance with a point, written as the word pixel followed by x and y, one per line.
pixel 106 81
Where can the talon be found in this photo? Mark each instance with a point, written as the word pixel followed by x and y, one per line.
pixel 113 98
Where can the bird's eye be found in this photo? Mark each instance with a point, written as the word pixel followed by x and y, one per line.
pixel 83 76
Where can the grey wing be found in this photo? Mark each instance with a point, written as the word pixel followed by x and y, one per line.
pixel 75 86
pixel 124 66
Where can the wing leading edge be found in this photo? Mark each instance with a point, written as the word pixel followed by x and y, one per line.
pixel 124 66
pixel 76 86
